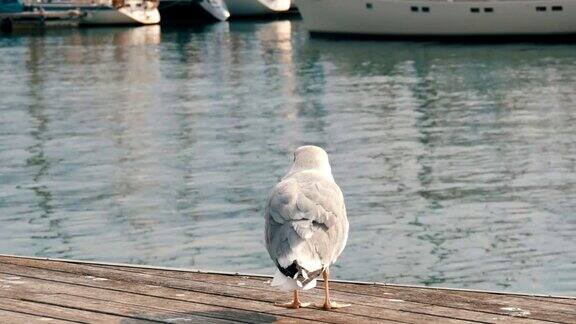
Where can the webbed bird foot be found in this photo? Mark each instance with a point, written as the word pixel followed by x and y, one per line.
pixel 328 304
pixel 333 305
pixel 293 305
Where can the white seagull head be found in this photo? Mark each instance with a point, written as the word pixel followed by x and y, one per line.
pixel 311 158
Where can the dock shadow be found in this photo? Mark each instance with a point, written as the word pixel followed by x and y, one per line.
pixel 205 317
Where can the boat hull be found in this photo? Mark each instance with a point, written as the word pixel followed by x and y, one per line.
pixel 121 16
pixel 442 18
pixel 257 7
pixel 190 11
pixel 108 15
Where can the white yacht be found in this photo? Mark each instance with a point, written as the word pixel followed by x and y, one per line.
pixel 105 12
pixel 257 7
pixel 440 17
pixel 190 11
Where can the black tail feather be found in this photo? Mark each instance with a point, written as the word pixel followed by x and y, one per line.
pixel 291 270
pixel 295 271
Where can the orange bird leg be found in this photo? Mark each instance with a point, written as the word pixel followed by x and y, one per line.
pixel 327 303
pixel 296 303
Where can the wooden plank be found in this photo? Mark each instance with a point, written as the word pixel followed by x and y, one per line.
pixel 15 317
pixel 172 304
pixel 402 314
pixel 551 299
pixel 254 295
pixel 262 293
pixel 475 295
pixel 201 276
pixel 164 295
pixel 493 303
pixel 387 300
pixel 40 308
pixel 497 301
pixel 103 311
pixel 52 291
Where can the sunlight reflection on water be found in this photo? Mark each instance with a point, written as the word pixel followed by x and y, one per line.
pixel 153 146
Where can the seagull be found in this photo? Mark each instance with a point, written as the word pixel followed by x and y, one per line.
pixel 306 225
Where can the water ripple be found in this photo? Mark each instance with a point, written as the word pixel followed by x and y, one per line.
pixel 158 147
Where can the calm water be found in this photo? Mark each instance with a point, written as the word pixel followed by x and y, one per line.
pixel 150 146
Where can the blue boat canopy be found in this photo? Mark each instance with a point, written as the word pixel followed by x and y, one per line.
pixel 11 6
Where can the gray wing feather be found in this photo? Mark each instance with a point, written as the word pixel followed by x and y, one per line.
pixel 307 212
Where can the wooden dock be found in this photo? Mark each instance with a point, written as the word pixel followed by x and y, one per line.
pixel 36 290
pixel 39 19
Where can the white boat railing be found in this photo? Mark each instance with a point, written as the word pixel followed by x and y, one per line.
pixel 107 3
pixel 69 2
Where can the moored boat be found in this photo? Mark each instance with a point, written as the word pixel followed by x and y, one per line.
pixel 14 15
pixel 257 7
pixel 106 12
pixel 32 20
pixel 11 6
pixel 190 11
pixel 440 17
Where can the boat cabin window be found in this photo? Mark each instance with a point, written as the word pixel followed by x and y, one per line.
pixel 419 9
pixel 540 8
pixel 488 9
pixel 475 10
pixel 557 8
pixel 369 5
